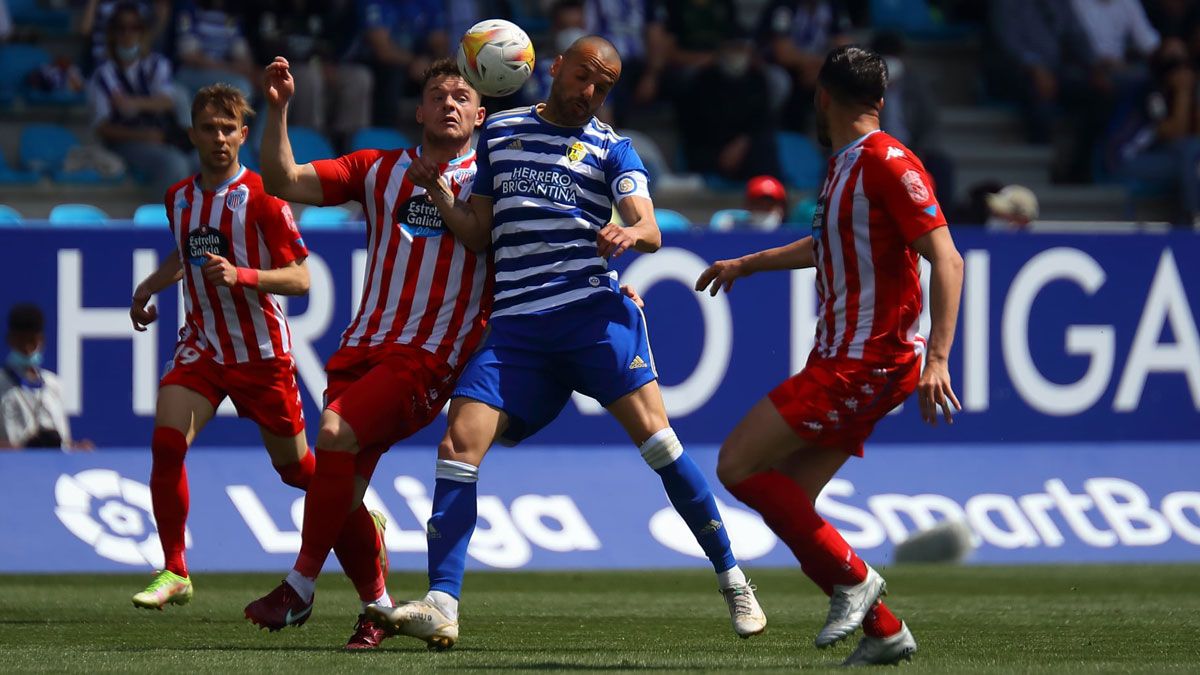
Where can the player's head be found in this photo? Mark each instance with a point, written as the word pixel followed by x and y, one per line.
pixel 125 32
pixel 450 107
pixel 26 335
pixel 219 114
pixel 851 81
pixel 583 76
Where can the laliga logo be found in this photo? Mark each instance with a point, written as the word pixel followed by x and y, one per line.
pixel 112 514
pixel 753 540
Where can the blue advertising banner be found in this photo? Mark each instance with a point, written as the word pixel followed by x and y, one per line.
pixel 1061 337
pixel 593 508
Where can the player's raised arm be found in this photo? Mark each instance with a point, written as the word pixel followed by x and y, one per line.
pixel 470 221
pixel 794 256
pixel 945 289
pixel 168 273
pixel 282 177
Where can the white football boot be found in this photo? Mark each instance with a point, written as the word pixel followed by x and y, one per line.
pixel 747 616
pixel 417 618
pixel 887 651
pixel 848 606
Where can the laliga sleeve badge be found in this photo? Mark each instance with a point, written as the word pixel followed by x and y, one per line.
pixel 205 240
pixel 915 186
pixel 626 186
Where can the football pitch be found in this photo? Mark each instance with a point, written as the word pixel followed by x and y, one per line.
pixel 1050 619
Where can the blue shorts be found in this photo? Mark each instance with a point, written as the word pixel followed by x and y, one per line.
pixel 529 365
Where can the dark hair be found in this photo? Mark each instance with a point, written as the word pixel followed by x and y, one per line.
pixel 225 98
pixel 110 29
pixel 26 318
pixel 444 67
pixel 565 5
pixel 852 74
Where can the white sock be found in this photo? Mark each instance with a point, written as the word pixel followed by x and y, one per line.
pixel 445 602
pixel 305 586
pixel 734 576
pixel 384 600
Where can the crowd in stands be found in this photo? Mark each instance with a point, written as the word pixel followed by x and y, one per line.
pixel 1109 83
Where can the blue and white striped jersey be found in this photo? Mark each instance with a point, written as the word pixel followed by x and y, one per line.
pixel 552 189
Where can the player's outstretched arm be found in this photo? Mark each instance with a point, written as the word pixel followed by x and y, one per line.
pixel 945 289
pixel 470 221
pixel 168 273
pixel 282 177
pixel 794 256
pixel 290 279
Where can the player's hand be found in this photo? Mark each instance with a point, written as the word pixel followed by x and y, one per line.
pixel 631 293
pixel 423 172
pixel 141 314
pixel 278 85
pixel 219 271
pixel 721 273
pixel 612 240
pixel 934 392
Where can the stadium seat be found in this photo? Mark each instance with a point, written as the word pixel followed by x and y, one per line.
pixel 44 149
pixel 727 219
pixel 77 215
pixel 10 217
pixel 671 221
pixel 151 216
pixel 324 217
pixel 16 62
pixel 309 145
pixel 11 176
pixel 382 138
pixel 801 162
pixel 32 13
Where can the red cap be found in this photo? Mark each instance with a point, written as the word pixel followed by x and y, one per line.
pixel 765 186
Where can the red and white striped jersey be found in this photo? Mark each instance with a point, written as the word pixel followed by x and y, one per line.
pixel 423 287
pixel 242 223
pixel 877 199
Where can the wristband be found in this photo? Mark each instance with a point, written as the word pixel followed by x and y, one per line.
pixel 247 276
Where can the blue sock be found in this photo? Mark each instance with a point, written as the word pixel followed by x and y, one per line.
pixel 690 495
pixel 451 525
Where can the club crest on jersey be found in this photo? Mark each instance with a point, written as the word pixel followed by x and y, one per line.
pixel 419 217
pixel 915 186
pixel 461 176
pixel 576 152
pixel 205 240
pixel 237 197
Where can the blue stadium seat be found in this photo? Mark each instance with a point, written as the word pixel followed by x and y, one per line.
pixel 44 148
pixel 728 219
pixel 32 13
pixel 382 138
pixel 16 62
pixel 902 15
pixel 671 221
pixel 77 215
pixel 309 145
pixel 151 216
pixel 10 217
pixel 11 176
pixel 802 164
pixel 324 217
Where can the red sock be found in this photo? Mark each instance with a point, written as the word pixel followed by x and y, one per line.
pixel 169 494
pixel 358 549
pixel 325 509
pixel 824 556
pixel 299 473
pixel 880 621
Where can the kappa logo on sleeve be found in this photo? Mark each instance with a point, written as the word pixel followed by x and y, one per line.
pixel 915 186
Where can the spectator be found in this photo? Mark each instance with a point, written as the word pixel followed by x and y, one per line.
pixel 133 104
pixel 32 414
pixel 635 27
pixel 6 26
pixel 212 48
pixel 797 35
pixel 60 77
pixel 330 95
pixel 911 114
pixel 764 210
pixel 736 139
pixel 567 21
pixel 398 39
pixel 1156 141
pixel 1114 28
pixel 1175 18
pixel 695 31
pixel 1013 207
pixel 93 25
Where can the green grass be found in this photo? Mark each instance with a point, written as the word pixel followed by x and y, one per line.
pixel 1052 619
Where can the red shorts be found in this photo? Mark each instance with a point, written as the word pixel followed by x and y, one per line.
pixel 264 392
pixel 835 403
pixel 387 393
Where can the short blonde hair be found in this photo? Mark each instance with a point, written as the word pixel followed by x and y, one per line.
pixel 224 98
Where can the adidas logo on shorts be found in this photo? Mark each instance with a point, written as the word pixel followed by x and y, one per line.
pixel 637 363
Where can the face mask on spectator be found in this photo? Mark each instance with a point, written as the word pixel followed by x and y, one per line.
pixel 129 53
pixel 765 220
pixel 22 362
pixel 567 38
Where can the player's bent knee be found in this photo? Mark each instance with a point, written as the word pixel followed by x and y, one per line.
pixel 335 434
pixel 731 469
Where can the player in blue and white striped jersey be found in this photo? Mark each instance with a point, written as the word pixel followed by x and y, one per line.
pixel 547 178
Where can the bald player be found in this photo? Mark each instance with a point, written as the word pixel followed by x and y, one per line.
pixel 547 178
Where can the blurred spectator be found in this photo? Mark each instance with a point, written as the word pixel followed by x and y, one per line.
pixel 974 210
pixel 6 26
pixel 695 31
pixel 93 25
pixel 1155 143
pixel 1114 29
pixel 133 105
pixel 567 22
pixel 797 35
pixel 911 114
pixel 724 116
pixel 1012 207
pixel 635 28
pixel 212 48
pixel 765 208
pixel 32 414
pixel 330 95
pixel 398 39
pixel 57 77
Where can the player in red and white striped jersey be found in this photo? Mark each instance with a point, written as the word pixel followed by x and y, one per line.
pixel 424 303
pixel 876 213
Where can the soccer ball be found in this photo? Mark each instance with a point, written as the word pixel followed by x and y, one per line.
pixel 496 57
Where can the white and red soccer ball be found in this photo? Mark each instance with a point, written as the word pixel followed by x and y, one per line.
pixel 496 57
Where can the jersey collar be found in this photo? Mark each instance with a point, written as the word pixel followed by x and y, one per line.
pixel 856 141
pixel 236 177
